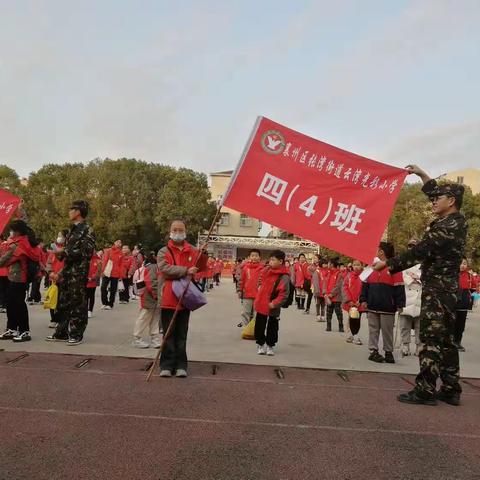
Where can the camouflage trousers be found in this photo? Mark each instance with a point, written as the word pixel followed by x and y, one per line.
pixel 439 355
pixel 72 309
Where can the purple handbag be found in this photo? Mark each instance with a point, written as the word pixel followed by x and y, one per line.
pixel 193 297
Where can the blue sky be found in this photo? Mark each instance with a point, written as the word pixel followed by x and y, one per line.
pixel 182 82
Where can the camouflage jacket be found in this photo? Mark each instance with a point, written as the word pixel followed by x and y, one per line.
pixel 79 248
pixel 440 251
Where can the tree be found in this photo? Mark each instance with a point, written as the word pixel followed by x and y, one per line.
pixel 9 180
pixel 129 199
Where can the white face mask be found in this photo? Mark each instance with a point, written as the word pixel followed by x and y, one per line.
pixel 11 234
pixel 60 240
pixel 178 237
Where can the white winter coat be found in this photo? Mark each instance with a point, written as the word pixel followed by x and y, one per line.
pixel 413 291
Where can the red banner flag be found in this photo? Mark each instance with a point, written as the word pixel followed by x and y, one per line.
pixel 317 191
pixel 8 205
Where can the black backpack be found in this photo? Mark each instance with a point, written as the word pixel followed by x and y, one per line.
pixel 291 291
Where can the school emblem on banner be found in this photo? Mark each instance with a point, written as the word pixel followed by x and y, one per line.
pixel 273 142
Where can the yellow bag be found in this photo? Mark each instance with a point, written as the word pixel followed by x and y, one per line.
pixel 51 297
pixel 248 332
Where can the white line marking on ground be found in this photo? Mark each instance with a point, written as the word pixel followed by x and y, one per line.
pixel 243 424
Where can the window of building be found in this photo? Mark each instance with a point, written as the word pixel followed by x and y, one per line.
pixel 224 219
pixel 460 180
pixel 245 220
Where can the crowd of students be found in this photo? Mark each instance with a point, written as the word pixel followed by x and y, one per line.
pixel 351 292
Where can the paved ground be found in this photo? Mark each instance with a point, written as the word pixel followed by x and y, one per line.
pixel 62 417
pixel 214 337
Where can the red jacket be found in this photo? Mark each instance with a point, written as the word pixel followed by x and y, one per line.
pixel 249 279
pixel 15 254
pixel 264 296
pixel 209 271
pixel 331 281
pixel 465 281
pixel 218 267
pixel 352 288
pixel 172 268
pixel 299 276
pixel 115 255
pixel 94 271
pixel 127 262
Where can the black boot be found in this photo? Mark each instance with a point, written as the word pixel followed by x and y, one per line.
pixel 450 398
pixel 414 398
pixel 329 326
pixel 340 328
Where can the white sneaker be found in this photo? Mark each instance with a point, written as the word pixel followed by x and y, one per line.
pixel 155 343
pixel 102 307
pixel 3 310
pixel 52 325
pixel 319 318
pixel 261 349
pixel 139 343
pixel 165 373
pixel 349 339
pixel 89 314
pixel 181 373
pixel 405 350
pixel 357 341
pixel 9 334
pixel 270 351
pixel 107 307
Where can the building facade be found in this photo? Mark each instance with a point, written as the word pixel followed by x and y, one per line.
pixel 469 177
pixel 231 222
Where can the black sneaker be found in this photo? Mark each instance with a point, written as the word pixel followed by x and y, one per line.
pixel 306 312
pixel 240 325
pixel 389 357
pixel 328 329
pixel 414 398
pixel 461 348
pixel 22 337
pixel 340 329
pixel 450 398
pixel 376 357
pixel 53 338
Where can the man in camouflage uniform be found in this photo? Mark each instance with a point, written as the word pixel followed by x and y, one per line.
pixel 440 252
pixel 72 312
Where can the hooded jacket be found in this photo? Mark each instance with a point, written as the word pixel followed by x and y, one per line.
pixel 115 255
pixel 16 252
pixel 249 279
pixel 266 293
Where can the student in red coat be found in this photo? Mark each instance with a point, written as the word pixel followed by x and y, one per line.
pixel 217 271
pixel 273 292
pixel 127 274
pixel 464 303
pixel 112 265
pixel 333 294
pixel 352 288
pixel 175 261
pixel 15 254
pixel 94 274
pixel 248 285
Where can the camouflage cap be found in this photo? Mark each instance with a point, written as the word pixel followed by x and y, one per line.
pixel 450 189
pixel 81 205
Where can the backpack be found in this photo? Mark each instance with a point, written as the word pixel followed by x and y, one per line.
pixel 32 270
pixel 291 291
